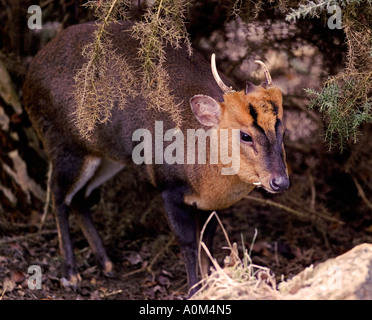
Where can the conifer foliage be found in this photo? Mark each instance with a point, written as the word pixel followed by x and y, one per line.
pixel 345 99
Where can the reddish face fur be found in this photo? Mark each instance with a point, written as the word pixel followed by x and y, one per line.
pixel 259 116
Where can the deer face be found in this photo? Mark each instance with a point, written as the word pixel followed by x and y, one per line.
pixel 258 114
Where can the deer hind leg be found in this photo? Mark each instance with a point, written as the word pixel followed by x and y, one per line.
pixel 69 172
pixel 73 178
pixel 80 207
pixel 106 170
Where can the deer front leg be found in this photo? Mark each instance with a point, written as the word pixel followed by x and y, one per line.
pixel 186 222
pixel 182 220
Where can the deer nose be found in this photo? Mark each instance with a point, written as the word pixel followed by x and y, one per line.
pixel 280 183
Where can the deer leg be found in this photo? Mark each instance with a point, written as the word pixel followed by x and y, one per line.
pixel 187 222
pixel 80 207
pixel 70 173
pixel 182 219
pixel 80 204
pixel 69 268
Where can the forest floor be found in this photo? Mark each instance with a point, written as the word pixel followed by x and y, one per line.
pixel 148 263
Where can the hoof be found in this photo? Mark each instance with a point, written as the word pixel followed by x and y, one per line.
pixel 72 282
pixel 108 269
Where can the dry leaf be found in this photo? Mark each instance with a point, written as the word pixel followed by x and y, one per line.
pixel 18 276
pixel 9 284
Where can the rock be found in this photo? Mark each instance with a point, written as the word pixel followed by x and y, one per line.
pixel 346 277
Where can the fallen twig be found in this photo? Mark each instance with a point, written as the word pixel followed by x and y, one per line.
pixel 361 193
pixel 26 237
pixel 291 210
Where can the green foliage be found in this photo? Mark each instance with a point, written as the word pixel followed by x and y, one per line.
pixel 342 112
pixel 346 98
pixel 312 9
pixel 309 9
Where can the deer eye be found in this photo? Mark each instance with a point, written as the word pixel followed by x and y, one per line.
pixel 245 137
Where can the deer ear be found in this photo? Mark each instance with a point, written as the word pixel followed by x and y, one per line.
pixel 206 110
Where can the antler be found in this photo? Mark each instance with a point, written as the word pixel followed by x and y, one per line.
pixel 267 73
pixel 220 83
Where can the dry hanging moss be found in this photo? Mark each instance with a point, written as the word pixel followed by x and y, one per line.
pixel 162 24
pixel 97 90
pixel 106 80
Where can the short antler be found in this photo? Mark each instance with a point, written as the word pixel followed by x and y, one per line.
pixel 220 83
pixel 267 73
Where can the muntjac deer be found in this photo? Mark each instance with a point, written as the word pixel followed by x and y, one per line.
pixel 190 190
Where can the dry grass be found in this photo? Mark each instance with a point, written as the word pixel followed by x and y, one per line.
pixel 239 279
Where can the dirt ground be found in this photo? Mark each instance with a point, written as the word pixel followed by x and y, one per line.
pixel 148 264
